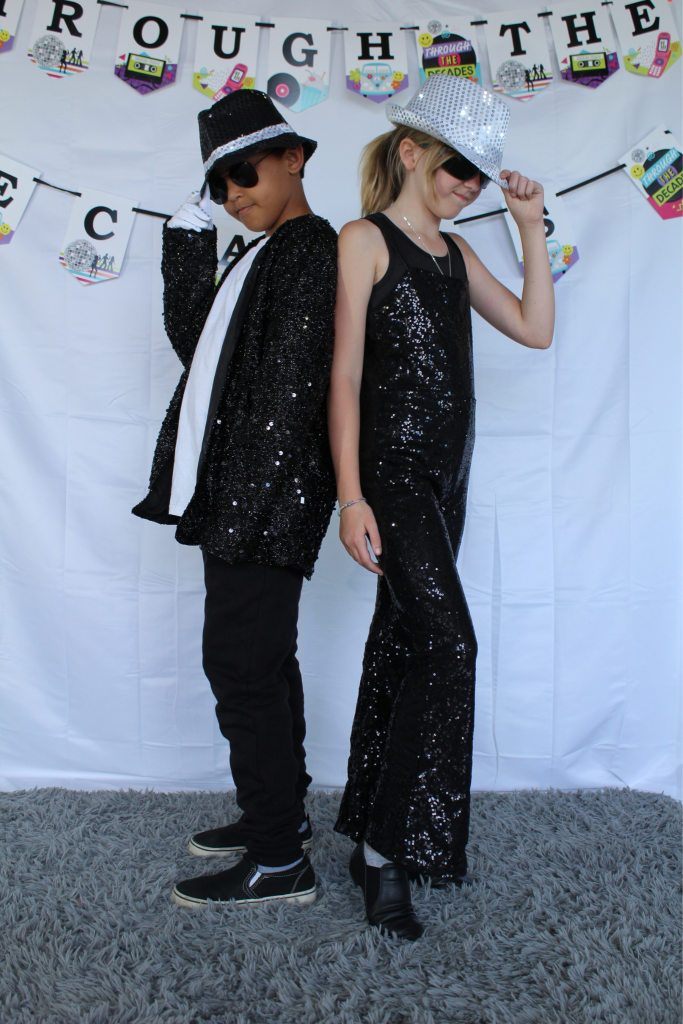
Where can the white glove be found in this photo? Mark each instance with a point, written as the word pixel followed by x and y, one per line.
pixel 194 214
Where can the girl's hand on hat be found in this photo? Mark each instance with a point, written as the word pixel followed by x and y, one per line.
pixel 194 214
pixel 524 198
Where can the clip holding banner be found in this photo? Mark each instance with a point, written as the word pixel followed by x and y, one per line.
pixel 148 46
pixel 97 236
pixel 16 188
pixel 63 36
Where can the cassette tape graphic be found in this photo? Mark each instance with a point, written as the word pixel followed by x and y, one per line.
pixel 145 68
pixel 588 65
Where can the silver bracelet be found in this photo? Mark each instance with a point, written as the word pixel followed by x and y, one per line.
pixel 354 502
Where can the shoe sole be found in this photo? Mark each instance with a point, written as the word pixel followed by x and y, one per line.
pixel 228 851
pixel 309 896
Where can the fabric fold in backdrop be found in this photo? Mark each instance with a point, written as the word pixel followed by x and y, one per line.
pixel 647 35
pixel 10 12
pixel 518 53
pixel 584 43
pixel 376 59
pixel 148 46
pixel 299 62
pixel 16 188
pixel 63 36
pixel 448 48
pixel 225 54
pixel 97 236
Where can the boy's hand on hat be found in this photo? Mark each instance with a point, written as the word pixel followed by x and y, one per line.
pixel 524 198
pixel 194 214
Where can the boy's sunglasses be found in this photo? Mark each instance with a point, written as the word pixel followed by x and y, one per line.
pixel 458 166
pixel 243 174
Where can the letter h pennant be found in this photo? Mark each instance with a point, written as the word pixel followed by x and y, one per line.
pixel 376 59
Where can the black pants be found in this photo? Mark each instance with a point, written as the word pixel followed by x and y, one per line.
pixel 249 648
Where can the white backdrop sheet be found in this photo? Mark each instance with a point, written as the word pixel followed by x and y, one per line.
pixel 571 555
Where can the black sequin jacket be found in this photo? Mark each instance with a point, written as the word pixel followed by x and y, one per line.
pixel 265 488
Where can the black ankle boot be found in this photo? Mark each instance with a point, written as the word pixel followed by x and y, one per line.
pixel 387 896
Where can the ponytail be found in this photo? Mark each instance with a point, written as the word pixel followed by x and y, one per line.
pixel 382 172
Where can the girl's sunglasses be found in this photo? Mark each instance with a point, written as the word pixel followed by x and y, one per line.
pixel 460 167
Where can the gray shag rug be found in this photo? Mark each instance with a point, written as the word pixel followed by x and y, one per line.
pixel 574 916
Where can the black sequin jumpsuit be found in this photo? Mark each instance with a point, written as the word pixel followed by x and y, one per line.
pixel 411 745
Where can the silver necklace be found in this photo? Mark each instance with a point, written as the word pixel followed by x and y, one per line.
pixel 425 247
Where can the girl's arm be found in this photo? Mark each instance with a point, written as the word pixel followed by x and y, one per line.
pixel 359 255
pixel 529 320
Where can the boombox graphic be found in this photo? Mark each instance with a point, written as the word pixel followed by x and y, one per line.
pixel 146 69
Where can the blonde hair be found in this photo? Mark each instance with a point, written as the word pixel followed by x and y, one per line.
pixel 382 172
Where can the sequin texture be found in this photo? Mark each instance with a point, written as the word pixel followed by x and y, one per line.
pixel 411 745
pixel 266 488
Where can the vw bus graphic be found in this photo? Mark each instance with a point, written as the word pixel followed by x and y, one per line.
pixel 233 83
pixel 376 80
pixel 662 54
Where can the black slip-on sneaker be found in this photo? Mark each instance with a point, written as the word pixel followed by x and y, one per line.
pixel 244 883
pixel 228 841
pixel 386 891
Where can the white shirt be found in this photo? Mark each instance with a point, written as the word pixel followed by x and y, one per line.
pixel 195 408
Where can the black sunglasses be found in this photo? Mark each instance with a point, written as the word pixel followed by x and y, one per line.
pixel 243 174
pixel 458 166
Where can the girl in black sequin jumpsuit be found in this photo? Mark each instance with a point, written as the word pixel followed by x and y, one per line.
pixel 402 432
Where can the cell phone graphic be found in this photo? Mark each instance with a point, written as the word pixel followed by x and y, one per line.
pixel 662 54
pixel 233 83
pixel 147 69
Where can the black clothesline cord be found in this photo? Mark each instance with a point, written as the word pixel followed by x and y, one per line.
pixel 465 220
pixel 562 192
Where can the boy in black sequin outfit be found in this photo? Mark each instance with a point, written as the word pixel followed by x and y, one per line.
pixel 242 466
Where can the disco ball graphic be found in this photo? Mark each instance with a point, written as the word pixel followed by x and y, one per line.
pixel 48 51
pixel 511 75
pixel 637 156
pixel 80 254
pixel 434 27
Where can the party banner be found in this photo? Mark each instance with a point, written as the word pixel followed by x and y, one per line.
pixel 376 59
pixel 647 36
pixel 16 188
pixel 232 240
pixel 97 236
pixel 655 166
pixel 299 62
pixel 148 47
pixel 518 53
pixel 559 236
pixel 225 54
pixel 583 42
pixel 63 34
pixel 448 49
pixel 10 12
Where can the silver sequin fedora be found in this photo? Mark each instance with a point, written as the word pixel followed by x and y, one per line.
pixel 460 113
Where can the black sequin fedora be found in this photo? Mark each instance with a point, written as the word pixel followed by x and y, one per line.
pixel 238 125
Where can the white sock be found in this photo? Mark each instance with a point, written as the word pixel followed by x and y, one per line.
pixel 284 867
pixel 374 859
pixel 304 825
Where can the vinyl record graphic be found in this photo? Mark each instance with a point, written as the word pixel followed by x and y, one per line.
pixel 284 89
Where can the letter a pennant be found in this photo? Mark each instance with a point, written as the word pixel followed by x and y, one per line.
pixel 225 54
pixel 63 34
pixel 149 45
pixel 376 59
pixel 518 53
pixel 299 62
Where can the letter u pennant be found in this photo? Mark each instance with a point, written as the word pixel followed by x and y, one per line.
pixel 225 54
pixel 149 45
pixel 97 236
pixel 62 37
